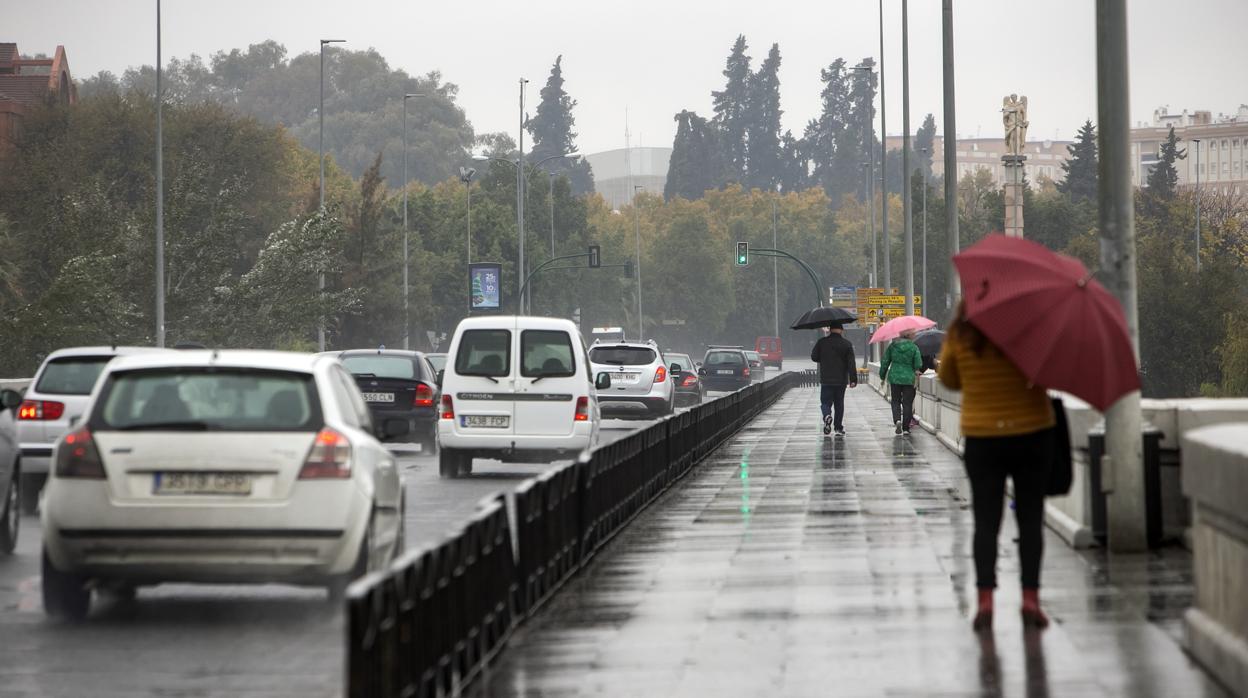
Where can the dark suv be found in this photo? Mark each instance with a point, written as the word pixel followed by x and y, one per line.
pixel 725 368
pixel 398 385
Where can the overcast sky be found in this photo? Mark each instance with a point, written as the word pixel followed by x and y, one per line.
pixel 658 57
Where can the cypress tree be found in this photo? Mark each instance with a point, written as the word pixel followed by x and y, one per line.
pixel 552 132
pixel 763 124
pixel 730 105
pixel 1164 178
pixel 1081 167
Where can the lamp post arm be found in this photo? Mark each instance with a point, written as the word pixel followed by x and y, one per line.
pixel 814 276
pixel 544 265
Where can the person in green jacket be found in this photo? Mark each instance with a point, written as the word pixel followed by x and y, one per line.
pixel 900 367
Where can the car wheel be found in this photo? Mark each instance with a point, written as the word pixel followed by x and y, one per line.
pixel 448 463
pixel 11 514
pixel 65 595
pixel 465 464
pixel 429 446
pixel 31 484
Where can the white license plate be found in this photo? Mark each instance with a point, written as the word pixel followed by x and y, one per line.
pixel 487 421
pixel 378 397
pixel 201 483
pixel 624 378
pixel 725 372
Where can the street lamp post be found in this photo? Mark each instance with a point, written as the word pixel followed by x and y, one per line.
pixel 951 159
pixel 160 199
pixel 641 333
pixel 320 115
pixel 871 178
pixel 1197 142
pixel 888 249
pixel 521 269
pixel 923 171
pixel 465 176
pixel 775 267
pixel 406 320
pixel 906 195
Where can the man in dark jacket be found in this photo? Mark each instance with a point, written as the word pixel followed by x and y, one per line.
pixel 837 369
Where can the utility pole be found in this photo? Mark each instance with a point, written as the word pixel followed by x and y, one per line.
pixel 888 248
pixel 775 267
pixel 1197 142
pixel 160 198
pixel 870 167
pixel 923 171
pixel 641 332
pixel 953 291
pixel 320 115
pixel 1123 478
pixel 906 194
pixel 407 331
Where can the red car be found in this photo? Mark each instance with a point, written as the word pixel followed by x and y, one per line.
pixel 769 349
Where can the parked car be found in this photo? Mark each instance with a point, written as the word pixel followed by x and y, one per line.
pixel 516 388
pixel 10 471
pixel 639 380
pixel 55 399
pixel 218 466
pixel 688 388
pixel 725 368
pixel 758 370
pixel 398 385
pixel 769 349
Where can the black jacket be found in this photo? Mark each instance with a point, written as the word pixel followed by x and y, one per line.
pixel 837 363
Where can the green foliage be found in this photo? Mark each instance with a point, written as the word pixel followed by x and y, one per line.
pixel 1081 168
pixel 553 135
pixel 763 124
pixel 697 163
pixel 731 107
pixel 1164 178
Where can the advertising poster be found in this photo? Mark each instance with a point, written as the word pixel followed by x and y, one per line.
pixel 484 286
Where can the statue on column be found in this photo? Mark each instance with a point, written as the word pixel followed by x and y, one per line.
pixel 1014 115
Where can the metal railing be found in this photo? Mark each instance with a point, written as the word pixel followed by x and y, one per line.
pixel 429 624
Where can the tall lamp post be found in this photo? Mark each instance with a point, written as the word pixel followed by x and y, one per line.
pixel 641 333
pixel 923 171
pixel 406 320
pixel 888 248
pixel 551 175
pixel 160 199
pixel 775 267
pixel 521 269
pixel 871 177
pixel 465 176
pixel 320 115
pixel 906 195
pixel 1197 142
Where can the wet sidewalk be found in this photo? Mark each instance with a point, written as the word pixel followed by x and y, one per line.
pixel 793 564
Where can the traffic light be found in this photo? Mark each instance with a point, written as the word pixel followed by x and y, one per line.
pixel 743 254
pixel 595 256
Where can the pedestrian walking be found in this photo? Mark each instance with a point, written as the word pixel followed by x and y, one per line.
pixel 838 369
pixel 1008 423
pixel 900 368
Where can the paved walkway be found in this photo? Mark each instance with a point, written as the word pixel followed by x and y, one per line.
pixel 790 564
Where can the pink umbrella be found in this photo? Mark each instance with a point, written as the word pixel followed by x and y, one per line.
pixel 893 328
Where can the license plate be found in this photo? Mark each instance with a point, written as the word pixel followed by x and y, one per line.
pixel 202 483
pixel 487 421
pixel 725 372
pixel 378 397
pixel 624 378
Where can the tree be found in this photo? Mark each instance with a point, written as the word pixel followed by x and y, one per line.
pixel 825 136
pixel 730 106
pixel 794 164
pixel 925 146
pixel 764 164
pixel 553 135
pixel 1164 178
pixel 1081 167
pixel 863 84
pixel 697 163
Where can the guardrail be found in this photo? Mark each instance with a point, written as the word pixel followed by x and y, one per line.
pixel 433 621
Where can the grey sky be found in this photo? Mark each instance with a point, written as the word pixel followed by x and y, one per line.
pixel 656 58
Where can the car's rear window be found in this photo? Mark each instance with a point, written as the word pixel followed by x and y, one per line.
pixel 382 366
pixel 733 358
pixel 73 375
pixel 752 355
pixel 546 353
pixel 484 353
pixel 680 360
pixel 622 356
pixel 209 399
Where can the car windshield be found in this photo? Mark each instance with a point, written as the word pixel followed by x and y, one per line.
pixel 720 358
pixel 680 361
pixel 71 375
pixel 382 366
pixel 622 356
pixel 484 353
pixel 209 399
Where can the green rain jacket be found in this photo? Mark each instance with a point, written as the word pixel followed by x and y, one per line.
pixel 901 361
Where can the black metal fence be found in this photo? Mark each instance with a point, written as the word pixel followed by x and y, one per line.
pixel 429 624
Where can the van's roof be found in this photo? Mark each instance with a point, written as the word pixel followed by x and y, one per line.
pixel 523 322
pixel 232 358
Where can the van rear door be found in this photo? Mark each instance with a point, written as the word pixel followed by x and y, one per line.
pixel 484 396
pixel 550 382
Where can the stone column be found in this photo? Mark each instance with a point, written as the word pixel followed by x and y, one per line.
pixel 1013 194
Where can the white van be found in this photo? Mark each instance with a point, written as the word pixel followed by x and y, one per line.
pixel 516 388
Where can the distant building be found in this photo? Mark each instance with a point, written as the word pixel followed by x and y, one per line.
pixel 616 172
pixel 1223 148
pixel 28 82
pixel 1044 158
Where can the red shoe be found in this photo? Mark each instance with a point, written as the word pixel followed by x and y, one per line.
pixel 983 616
pixel 1033 617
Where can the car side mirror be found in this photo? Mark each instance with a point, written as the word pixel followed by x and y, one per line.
pixel 394 428
pixel 603 381
pixel 9 399
pixel 675 369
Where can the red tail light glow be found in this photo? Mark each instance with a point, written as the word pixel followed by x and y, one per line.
pixel 660 375
pixel 689 380
pixel 329 458
pixel 40 410
pixel 745 371
pixel 424 396
pixel 582 409
pixel 448 407
pixel 78 457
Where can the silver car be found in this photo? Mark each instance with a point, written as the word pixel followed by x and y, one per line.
pixel 10 464
pixel 640 382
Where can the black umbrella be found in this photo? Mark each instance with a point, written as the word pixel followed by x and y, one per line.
pixel 822 317
pixel 930 341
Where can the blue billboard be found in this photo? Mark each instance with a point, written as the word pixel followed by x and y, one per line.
pixel 485 286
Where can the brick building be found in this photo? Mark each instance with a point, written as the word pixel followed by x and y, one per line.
pixel 28 82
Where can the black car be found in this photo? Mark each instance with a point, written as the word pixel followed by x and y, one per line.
pixel 689 388
pixel 725 368
pixel 398 385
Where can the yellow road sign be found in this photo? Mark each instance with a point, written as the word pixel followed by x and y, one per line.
pixel 891 299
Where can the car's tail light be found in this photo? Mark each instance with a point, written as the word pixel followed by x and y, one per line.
pixel 40 410
pixel 689 380
pixel 424 396
pixel 330 457
pixel 660 374
pixel 745 371
pixel 448 407
pixel 78 456
pixel 582 409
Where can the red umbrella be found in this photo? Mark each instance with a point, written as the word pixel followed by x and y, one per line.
pixel 1050 317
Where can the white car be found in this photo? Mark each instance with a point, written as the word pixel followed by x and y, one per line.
pixel 640 384
pixel 218 467
pixel 10 469
pixel 516 388
pixel 57 396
